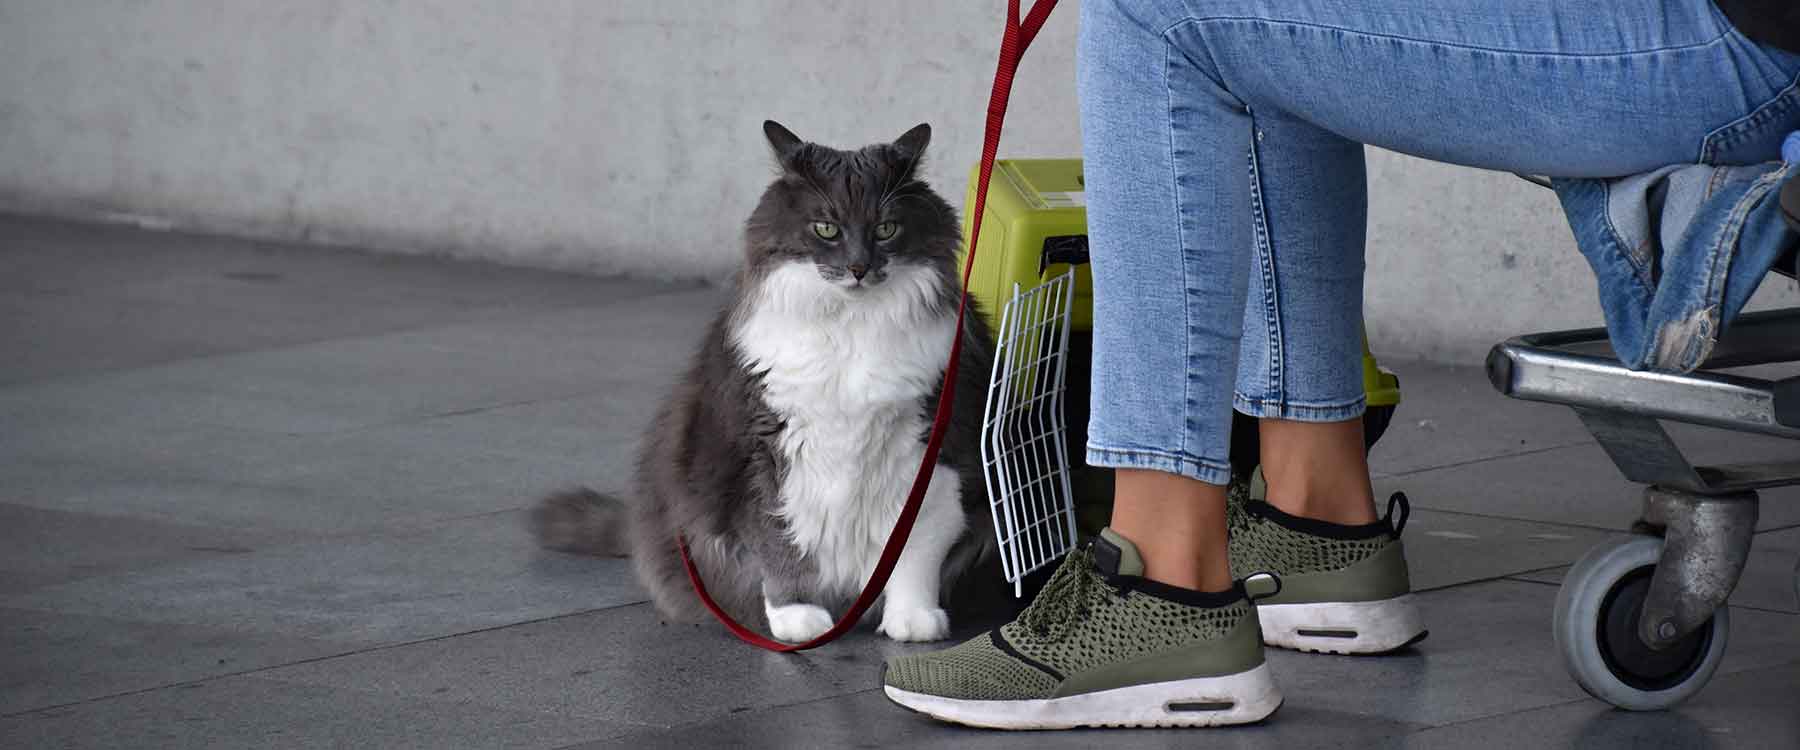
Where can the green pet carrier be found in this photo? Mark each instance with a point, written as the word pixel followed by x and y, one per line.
pixel 1031 277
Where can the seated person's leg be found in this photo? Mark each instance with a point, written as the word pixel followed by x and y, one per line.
pixel 1174 95
pixel 1346 588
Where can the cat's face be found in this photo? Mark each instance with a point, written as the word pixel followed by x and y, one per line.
pixel 856 217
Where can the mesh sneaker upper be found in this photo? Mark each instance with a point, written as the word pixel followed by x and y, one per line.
pixel 1259 543
pixel 974 670
pixel 1105 627
pixel 1078 622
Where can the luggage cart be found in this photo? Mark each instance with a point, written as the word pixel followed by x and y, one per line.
pixel 1641 622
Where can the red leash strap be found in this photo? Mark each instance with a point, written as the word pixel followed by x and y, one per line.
pixel 1012 47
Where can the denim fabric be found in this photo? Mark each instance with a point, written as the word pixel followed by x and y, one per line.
pixel 1678 252
pixel 1227 202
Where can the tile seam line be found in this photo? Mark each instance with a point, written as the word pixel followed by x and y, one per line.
pixel 1515 519
pixel 1485 459
pixel 1747 607
pixel 704 722
pixel 327 657
pixel 1503 578
pixel 584 392
pixel 1533 709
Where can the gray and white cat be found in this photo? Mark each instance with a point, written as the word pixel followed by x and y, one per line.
pixel 785 453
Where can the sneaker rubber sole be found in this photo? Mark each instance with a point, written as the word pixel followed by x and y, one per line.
pixel 1375 627
pixel 1241 698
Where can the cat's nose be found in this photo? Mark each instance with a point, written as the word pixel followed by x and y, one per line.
pixel 858 270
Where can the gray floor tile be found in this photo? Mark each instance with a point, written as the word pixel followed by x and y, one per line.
pixel 249 481
pixel 438 468
pixel 1490 653
pixel 1552 576
pixel 49 659
pixel 1753 709
pixel 868 720
pixel 621 664
pixel 1576 485
pixel 436 580
pixel 42 547
pixel 273 484
pixel 357 383
pixel 1445 549
pixel 245 712
pixel 1768 582
pixel 221 457
pixel 1451 415
pixel 87 298
pixel 578 429
pixel 1771 577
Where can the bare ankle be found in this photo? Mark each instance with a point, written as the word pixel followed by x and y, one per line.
pixel 1354 511
pixel 1177 525
pixel 1318 470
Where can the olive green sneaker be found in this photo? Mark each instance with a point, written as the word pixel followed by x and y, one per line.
pixel 1101 646
pixel 1344 589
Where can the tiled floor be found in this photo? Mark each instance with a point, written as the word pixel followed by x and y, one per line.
pixel 263 496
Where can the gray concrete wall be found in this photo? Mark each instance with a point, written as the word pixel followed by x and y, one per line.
pixel 621 135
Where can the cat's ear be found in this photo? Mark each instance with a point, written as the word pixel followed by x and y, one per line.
pixel 913 142
pixel 782 140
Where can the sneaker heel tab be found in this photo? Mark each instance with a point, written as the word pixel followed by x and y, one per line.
pixel 1399 509
pixel 1108 557
pixel 1259 586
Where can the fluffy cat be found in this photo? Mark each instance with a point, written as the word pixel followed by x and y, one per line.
pixel 786 451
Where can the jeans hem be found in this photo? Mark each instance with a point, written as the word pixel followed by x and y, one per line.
pixel 1200 469
pixel 1331 412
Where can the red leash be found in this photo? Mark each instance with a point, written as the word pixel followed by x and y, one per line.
pixel 1012 47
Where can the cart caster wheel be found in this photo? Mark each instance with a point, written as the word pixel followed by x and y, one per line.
pixel 1596 627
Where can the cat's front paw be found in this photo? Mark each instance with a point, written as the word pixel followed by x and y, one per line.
pixel 916 624
pixel 798 623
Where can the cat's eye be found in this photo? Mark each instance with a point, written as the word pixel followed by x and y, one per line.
pixel 886 230
pixel 826 230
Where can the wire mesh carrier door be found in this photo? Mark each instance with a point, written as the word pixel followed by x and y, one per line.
pixel 1024 452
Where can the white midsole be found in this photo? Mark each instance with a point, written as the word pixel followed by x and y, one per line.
pixel 1250 695
pixel 1379 626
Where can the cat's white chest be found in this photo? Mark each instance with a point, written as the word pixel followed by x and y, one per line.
pixel 850 383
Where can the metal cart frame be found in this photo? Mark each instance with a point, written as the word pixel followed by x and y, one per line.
pixel 1698 521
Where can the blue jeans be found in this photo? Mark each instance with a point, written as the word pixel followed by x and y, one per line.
pixel 1225 178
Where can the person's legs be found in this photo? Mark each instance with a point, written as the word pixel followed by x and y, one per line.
pixel 1221 143
pixel 1551 88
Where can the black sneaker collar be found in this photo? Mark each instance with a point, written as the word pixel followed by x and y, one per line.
pixel 1179 595
pixel 1106 563
pixel 1316 527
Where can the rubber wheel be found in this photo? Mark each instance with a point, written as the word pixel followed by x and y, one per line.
pixel 1597 612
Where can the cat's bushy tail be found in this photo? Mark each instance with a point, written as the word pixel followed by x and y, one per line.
pixel 581 521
